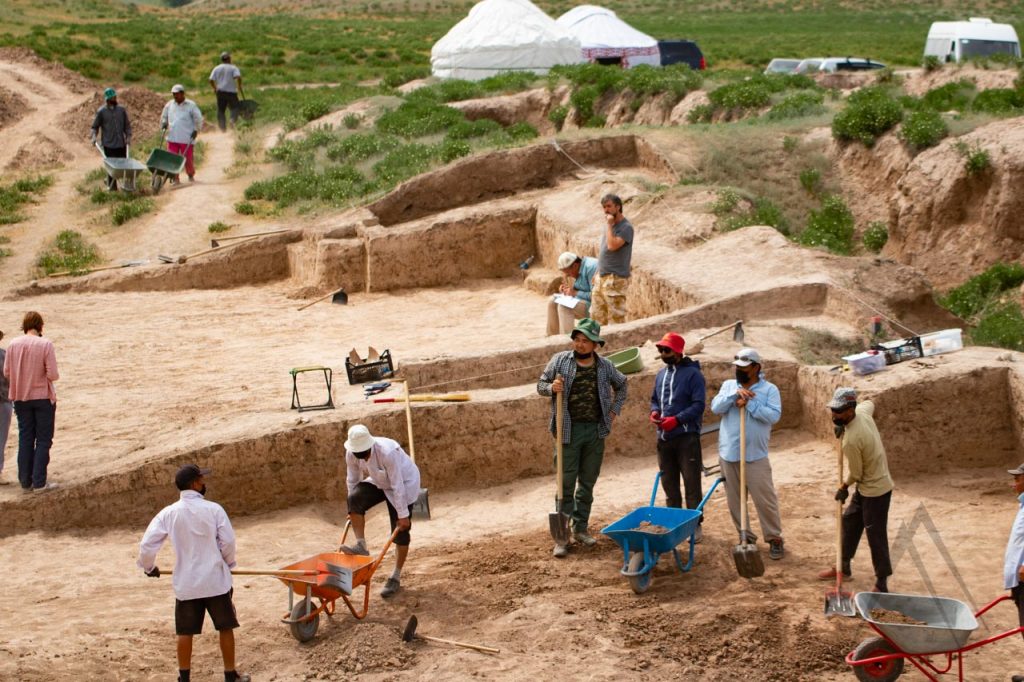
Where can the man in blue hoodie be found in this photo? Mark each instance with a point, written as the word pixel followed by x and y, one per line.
pixel 677 409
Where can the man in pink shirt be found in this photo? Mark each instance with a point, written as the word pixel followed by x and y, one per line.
pixel 31 367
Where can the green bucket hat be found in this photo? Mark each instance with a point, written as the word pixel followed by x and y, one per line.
pixel 590 329
pixel 109 93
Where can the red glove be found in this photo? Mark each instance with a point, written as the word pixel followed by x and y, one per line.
pixel 669 424
pixel 655 417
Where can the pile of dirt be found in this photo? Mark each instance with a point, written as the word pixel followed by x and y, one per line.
pixel 144 108
pixel 72 79
pixel 12 107
pixel 366 648
pixel 39 153
pixel 895 617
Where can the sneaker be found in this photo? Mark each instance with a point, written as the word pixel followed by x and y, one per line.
pixel 775 550
pixel 561 551
pixel 390 587
pixel 191 178
pixel 830 574
pixel 584 538
pixel 354 549
pixel 698 535
pixel 48 486
pixel 26 490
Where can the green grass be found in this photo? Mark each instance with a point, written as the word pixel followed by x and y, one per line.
pixel 18 193
pixel 69 252
pixel 218 227
pixel 971 299
pixel 816 347
pixel 130 209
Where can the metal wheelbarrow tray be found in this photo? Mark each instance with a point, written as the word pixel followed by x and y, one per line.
pixel 641 549
pixel 163 164
pixel 124 171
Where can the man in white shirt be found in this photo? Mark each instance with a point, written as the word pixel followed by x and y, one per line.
pixel 182 121
pixel 226 81
pixel 379 470
pixel 1013 564
pixel 204 551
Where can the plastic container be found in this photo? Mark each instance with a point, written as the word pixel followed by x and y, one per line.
pixel 946 341
pixel 865 363
pixel 900 350
pixel 627 361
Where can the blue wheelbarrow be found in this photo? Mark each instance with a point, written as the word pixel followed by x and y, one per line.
pixel 646 533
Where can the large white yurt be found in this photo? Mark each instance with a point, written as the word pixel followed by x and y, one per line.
pixel 503 35
pixel 606 39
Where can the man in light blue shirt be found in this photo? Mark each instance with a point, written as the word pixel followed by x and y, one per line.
pixel 763 409
pixel 579 275
pixel 1013 566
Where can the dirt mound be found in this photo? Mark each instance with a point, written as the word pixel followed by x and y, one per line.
pixel 364 648
pixel 918 81
pixel 39 153
pixel 870 175
pixel 952 224
pixel 144 109
pixel 531 106
pixel 12 107
pixel 72 79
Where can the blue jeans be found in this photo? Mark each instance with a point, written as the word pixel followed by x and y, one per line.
pixel 35 436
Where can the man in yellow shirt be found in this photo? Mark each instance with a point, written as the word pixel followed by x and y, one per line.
pixel 868 468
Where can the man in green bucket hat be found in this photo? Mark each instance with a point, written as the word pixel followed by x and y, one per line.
pixel 112 118
pixel 594 394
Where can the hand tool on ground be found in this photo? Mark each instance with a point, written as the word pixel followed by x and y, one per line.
pixel 217 242
pixel 374 389
pixel 339 297
pixel 421 507
pixel 737 336
pixel 186 257
pixel 839 602
pixel 128 264
pixel 430 397
pixel 558 521
pixel 749 563
pixel 410 634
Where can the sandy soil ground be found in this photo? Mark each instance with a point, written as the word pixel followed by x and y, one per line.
pixel 481 571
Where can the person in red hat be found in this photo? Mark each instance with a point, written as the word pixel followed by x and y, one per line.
pixel 677 410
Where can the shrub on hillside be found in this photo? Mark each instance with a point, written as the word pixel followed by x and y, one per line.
pixel 464 130
pixel 747 94
pixel 830 227
pixel 875 236
pixel 315 109
pixel 971 297
pixel 931 63
pixel 810 180
pixel 999 101
pixel 976 158
pixel 558 116
pixel 797 105
pixel 923 128
pixel 869 113
pixel 1003 327
pixel 68 252
pixel 949 97
pixel 418 117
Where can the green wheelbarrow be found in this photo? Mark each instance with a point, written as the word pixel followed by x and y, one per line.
pixel 163 165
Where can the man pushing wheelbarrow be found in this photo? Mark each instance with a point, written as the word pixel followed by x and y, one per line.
pixel 181 121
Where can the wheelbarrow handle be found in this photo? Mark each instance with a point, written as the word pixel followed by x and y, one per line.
pixel 700 507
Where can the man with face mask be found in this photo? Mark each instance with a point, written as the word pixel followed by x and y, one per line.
pixel 204 554
pixel 379 470
pixel 677 409
pixel 868 467
pixel 763 405
pixel 595 392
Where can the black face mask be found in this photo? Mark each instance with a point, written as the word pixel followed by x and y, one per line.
pixel 741 376
pixel 362 455
pixel 838 421
pixel 202 491
pixel 669 359
pixel 583 356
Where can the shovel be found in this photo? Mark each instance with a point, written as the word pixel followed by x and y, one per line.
pixel 558 520
pixel 839 602
pixel 421 507
pixel 328 576
pixel 338 296
pixel 737 336
pixel 749 563
pixel 410 634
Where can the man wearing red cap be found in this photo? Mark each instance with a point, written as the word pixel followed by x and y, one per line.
pixel 677 409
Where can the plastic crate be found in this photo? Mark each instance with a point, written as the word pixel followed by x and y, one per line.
pixel 901 350
pixel 374 370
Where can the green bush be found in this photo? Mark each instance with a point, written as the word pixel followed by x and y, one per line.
pixel 869 112
pixel 360 146
pixel 68 252
pixel 949 97
pixel 1003 327
pixel 749 94
pixel 449 150
pixel 973 296
pixel 790 143
pixel 315 109
pixel 761 211
pixel 128 210
pixel 810 180
pixel 875 236
pixel 245 208
pixel 830 227
pixel 19 193
pixel 465 130
pixel 726 202
pixel 521 132
pixel 558 116
pixel 351 121
pixel 797 105
pixel 999 101
pixel 701 113
pixel 931 63
pixel 923 128
pixel 418 117
pixel 218 227
pixel 976 158
pixel 403 163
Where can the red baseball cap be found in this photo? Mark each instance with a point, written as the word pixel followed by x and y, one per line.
pixel 673 342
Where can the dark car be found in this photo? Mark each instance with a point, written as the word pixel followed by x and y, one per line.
pixel 682 52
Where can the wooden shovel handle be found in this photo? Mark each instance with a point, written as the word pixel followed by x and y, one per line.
pixel 262 571
pixel 559 428
pixel 485 649
pixel 743 472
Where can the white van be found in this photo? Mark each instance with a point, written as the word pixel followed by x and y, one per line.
pixel 957 41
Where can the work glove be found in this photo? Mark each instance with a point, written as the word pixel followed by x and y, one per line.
pixel 669 424
pixel 154 572
pixel 193 135
pixel 839 430
pixel 842 494
pixel 655 417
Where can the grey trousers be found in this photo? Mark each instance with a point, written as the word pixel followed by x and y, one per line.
pixel 6 410
pixel 762 494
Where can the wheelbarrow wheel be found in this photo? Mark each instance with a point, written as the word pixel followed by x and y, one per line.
pixel 639 583
pixel 304 631
pixel 157 182
pixel 884 671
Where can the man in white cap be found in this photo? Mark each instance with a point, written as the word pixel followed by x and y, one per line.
pixel 579 281
pixel 763 405
pixel 1013 565
pixel 868 467
pixel 379 470
pixel 226 81
pixel 181 120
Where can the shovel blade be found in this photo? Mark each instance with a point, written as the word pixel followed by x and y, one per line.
pixel 737 332
pixel 839 603
pixel 421 507
pixel 559 524
pixel 334 582
pixel 749 563
pixel 409 633
pixel 340 297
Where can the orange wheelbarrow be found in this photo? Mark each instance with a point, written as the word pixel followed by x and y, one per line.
pixel 351 571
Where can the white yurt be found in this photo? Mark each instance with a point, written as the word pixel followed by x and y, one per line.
pixel 607 39
pixel 502 35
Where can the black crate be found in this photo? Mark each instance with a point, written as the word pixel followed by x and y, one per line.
pixel 906 349
pixel 374 370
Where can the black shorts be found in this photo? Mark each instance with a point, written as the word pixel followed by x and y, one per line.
pixel 189 614
pixel 367 495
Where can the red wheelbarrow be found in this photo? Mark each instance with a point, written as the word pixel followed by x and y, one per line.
pixel 942 629
pixel 350 571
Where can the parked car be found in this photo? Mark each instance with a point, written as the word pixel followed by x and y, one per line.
pixel 809 66
pixel 682 52
pixel 956 41
pixel 834 64
pixel 782 66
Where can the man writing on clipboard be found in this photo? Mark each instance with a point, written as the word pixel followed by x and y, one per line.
pixel 573 300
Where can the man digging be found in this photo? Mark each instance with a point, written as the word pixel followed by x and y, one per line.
pixel 595 392
pixel 379 470
pixel 869 469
